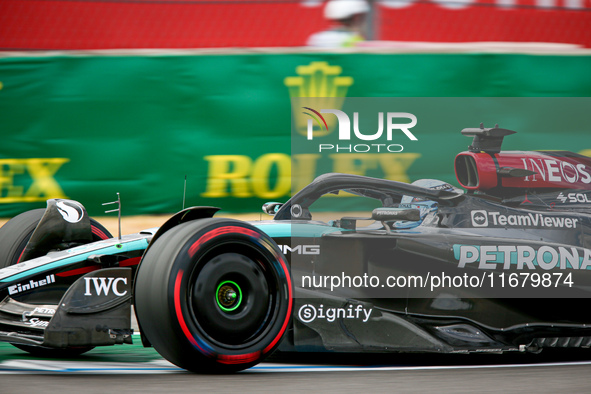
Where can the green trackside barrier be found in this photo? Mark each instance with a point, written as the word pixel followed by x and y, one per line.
pixel 86 126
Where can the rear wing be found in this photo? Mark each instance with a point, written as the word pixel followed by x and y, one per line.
pixel 486 140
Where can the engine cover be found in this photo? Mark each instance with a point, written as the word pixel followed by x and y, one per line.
pixel 523 170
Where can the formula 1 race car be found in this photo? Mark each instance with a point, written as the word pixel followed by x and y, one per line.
pixel 220 295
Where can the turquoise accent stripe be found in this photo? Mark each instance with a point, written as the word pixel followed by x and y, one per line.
pixel 290 229
pixel 139 244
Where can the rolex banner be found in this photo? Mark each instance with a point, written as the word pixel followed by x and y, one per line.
pixel 86 127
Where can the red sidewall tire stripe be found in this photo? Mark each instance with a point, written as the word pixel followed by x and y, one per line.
pixel 238 358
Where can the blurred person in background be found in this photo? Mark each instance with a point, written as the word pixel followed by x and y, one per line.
pixel 348 19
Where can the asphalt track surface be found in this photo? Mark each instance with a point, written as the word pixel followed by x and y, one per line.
pixel 134 369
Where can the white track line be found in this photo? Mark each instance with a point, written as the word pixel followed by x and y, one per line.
pixel 163 366
pixel 267 367
pixel 85 367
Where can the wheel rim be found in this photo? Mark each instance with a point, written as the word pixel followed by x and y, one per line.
pixel 233 298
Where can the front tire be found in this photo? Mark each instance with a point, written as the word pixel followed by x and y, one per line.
pixel 213 295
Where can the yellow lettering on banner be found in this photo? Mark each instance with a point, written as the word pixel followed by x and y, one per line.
pixel 44 184
pixel 261 173
pixel 395 166
pixel 8 169
pixel 304 171
pixel 240 176
pixel 42 173
pixel 228 170
pixel 354 163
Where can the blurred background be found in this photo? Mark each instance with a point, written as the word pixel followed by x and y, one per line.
pixel 114 24
pixel 133 96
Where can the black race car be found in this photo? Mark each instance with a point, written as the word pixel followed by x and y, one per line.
pixel 424 267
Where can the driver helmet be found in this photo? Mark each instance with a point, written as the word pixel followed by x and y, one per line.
pixel 344 9
pixel 425 206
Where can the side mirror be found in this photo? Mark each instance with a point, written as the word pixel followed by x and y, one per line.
pixel 271 208
pixel 388 214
